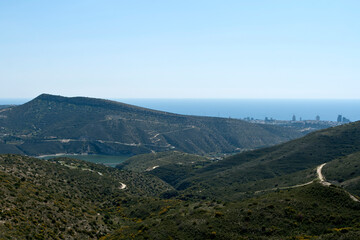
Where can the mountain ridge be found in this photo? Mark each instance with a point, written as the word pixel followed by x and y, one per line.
pixel 286 164
pixel 52 124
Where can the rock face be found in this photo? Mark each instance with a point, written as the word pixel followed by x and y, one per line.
pixel 54 124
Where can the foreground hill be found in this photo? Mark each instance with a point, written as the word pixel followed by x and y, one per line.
pixel 71 199
pixel 54 124
pixel 286 164
pixel 310 212
pixel 67 198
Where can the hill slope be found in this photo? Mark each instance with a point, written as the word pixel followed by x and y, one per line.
pixel 229 176
pixel 170 166
pixel 310 212
pixel 67 198
pixel 54 124
pixel 71 199
pixel 345 172
pixel 151 161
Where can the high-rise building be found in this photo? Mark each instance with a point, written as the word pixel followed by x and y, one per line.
pixel 345 120
pixel 339 118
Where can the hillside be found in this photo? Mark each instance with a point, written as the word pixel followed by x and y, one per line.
pixel 310 212
pixel 151 161
pixel 67 198
pixel 290 163
pixel 5 106
pixel 53 124
pixel 171 166
pixel 345 172
pixel 71 199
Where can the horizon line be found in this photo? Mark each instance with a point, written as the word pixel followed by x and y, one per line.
pixel 177 98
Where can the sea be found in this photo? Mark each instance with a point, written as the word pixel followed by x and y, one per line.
pixel 279 109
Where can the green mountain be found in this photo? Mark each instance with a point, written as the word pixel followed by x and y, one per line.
pixel 283 165
pixel 310 212
pixel 151 161
pixel 53 124
pixel 277 192
pixel 171 166
pixel 64 198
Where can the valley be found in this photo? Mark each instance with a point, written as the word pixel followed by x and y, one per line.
pixel 144 174
pixel 179 120
pixel 52 124
pixel 76 199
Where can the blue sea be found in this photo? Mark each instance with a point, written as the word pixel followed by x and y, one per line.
pixel 242 108
pixel 256 108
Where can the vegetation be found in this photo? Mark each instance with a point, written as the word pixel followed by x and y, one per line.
pixel 226 178
pixel 310 212
pixel 71 199
pixel 5 106
pixel 260 171
pixel 258 194
pixel 345 172
pixel 171 167
pixel 66 198
pixel 53 124
pixel 147 162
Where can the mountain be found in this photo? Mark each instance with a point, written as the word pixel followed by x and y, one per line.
pixel 282 165
pixel 70 199
pixel 54 124
pixel 65 198
pixel 278 192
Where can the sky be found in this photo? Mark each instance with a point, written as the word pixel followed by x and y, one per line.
pixel 180 49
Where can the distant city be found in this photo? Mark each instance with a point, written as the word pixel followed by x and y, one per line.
pixel 340 119
pixel 305 126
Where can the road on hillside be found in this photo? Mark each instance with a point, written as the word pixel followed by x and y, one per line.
pixel 320 176
pixel 323 182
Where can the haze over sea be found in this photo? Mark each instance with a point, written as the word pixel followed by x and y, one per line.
pixel 280 109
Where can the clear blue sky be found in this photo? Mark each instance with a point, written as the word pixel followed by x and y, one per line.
pixel 180 49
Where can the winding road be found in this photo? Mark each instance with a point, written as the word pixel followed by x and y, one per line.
pixel 320 177
pixel 323 182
